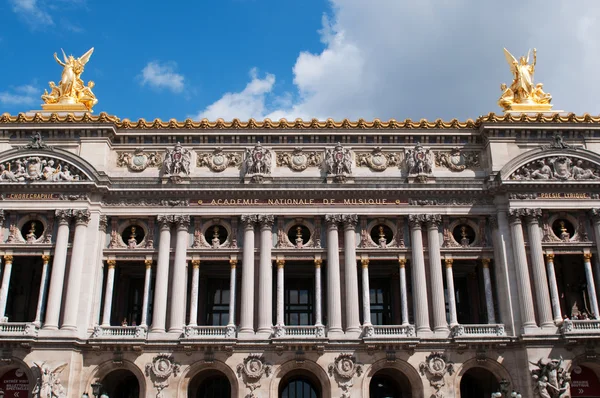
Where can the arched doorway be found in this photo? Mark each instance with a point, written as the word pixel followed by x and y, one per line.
pixel 15 383
pixel 389 383
pixel 299 386
pixel 584 382
pixel 209 384
pixel 121 383
pixel 478 383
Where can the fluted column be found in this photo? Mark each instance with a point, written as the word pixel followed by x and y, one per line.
pixel 99 286
pixel 591 287
pixel 265 282
pixel 367 325
pixel 318 293
pixel 247 301
pixel 418 274
pixel 8 261
pixel 82 218
pixel 194 294
pixel 159 312
pixel 523 281
pixel 42 292
pixel 450 287
pixel 59 263
pixel 146 299
pixel 489 293
pixel 334 297
pixel 595 217
pixel 403 290
pixel 177 313
pixel 435 270
pixel 232 298
pixel 108 297
pixel 540 280
pixel 350 274
pixel 280 292
pixel 554 297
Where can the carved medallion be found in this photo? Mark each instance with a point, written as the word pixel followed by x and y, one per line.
pixel 139 160
pixel 218 160
pixel 457 160
pixel 435 368
pixel 299 160
pixel 161 368
pixel 343 369
pixel 377 160
pixel 251 370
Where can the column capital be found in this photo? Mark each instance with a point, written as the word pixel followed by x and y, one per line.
pixel 415 220
pixel 148 262
pixel 280 263
pixel 350 221
pixel 364 262
pixel 595 213
pixel 550 257
pixel 493 220
pixel 514 215
pixel 248 220
pixel 8 259
pixel 587 256
pixel 82 216
pixel 433 220
pixel 164 221
pixel 63 216
pixel 448 262
pixel 333 220
pixel 485 262
pixel 196 264
pixel 318 262
pixel 532 215
pixel 103 223
pixel 402 262
pixel 46 258
pixel 266 221
pixel 182 221
pixel 233 263
pixel 111 264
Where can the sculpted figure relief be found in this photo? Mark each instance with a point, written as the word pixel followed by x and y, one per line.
pixel 558 168
pixel 343 370
pixel 177 161
pixel 419 160
pixel 251 371
pixel 551 379
pixel 48 384
pixel 36 168
pixel 435 367
pixel 258 160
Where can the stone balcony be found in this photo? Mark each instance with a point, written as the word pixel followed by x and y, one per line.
pixel 120 332
pixel 18 329
pixel 581 327
pixel 477 331
pixel 209 332
pixel 299 332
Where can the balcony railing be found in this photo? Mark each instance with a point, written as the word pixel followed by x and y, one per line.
pixel 210 332
pixel 383 331
pixel 18 329
pixel 120 332
pixel 580 326
pixel 310 331
pixel 483 330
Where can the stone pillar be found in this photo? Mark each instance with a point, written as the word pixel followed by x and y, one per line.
pixel 540 280
pixel 591 287
pixel 489 293
pixel 232 297
pixel 108 297
pixel 82 218
pixel 367 325
pixel 595 216
pixel 554 297
pixel 146 299
pixel 518 244
pixel 334 305
pixel 403 290
pixel 350 273
pixel 194 294
pixel 265 280
pixel 280 292
pixel 42 292
pixel 161 288
pixel 450 287
pixel 99 289
pixel 247 301
pixel 177 313
pixel 435 270
pixel 8 261
pixel 318 293
pixel 421 309
pixel 57 275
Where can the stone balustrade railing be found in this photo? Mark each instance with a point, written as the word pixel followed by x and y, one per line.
pixel 383 331
pixel 478 330
pixel 18 329
pixel 309 331
pixel 580 326
pixel 120 332
pixel 210 332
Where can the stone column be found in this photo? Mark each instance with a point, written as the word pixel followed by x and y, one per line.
pixel 367 325
pixel 450 287
pixel 232 298
pixel 82 218
pixel 247 302
pixel 595 216
pixel 591 288
pixel 334 297
pixel 99 287
pixel 489 293
pixel 418 275
pixel 42 292
pixel 538 268
pixel 265 280
pixel 57 275
pixel 350 274
pixel 403 290
pixel 161 288
pixel 194 294
pixel 146 299
pixel 177 313
pixel 518 244
pixel 108 297
pixel 318 293
pixel 8 261
pixel 280 292
pixel 435 270
pixel 554 297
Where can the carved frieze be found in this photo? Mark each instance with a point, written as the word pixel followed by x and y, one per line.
pixel 435 367
pixel 298 160
pixel 218 160
pixel 146 202
pixel 138 160
pixel 557 168
pixel 457 160
pixel 550 378
pixel 177 161
pixel 39 168
pixel 251 371
pixel 163 366
pixel 343 370
pixel 377 159
pixel 419 160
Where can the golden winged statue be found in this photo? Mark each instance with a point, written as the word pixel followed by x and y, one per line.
pixel 523 95
pixel 71 93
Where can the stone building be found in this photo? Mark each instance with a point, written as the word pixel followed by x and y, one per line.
pixel 299 259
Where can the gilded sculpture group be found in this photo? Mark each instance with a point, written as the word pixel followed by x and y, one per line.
pixel 522 95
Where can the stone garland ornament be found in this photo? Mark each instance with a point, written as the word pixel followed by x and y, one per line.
pixel 258 163
pixel 558 168
pixel 161 368
pixel 457 160
pixel 299 160
pixel 36 168
pixel 177 162
pixel 218 160
pixel 343 370
pixel 251 370
pixel 435 368
pixel 338 162
pixel 551 379
pixel 419 162
pixel 139 160
pixel 48 384
pixel 377 160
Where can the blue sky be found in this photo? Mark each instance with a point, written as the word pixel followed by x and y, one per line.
pixel 300 58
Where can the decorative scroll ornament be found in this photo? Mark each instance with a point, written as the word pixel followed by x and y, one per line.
pixel 455 160
pixel 161 368
pixel 419 161
pixel 299 160
pixel 218 160
pixel 177 161
pixel 343 370
pixel 36 168
pixel 252 370
pixel 139 160
pixel 71 93
pixel 435 368
pixel 551 379
pixel 48 384
pixel 559 168
pixel 523 95
pixel 377 160
pixel 338 161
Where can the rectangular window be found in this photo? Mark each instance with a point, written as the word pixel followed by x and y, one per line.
pixel 380 297
pixel 217 308
pixel 298 302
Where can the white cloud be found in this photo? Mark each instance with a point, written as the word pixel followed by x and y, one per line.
pixel 20 95
pixel 31 11
pixel 426 58
pixel 162 76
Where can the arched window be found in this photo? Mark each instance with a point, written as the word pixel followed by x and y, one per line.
pixel 214 387
pixel 121 383
pixel 383 386
pixel 299 387
pixel 478 382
